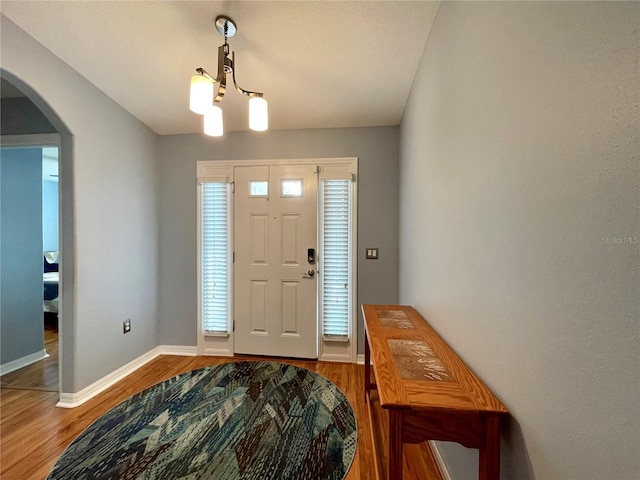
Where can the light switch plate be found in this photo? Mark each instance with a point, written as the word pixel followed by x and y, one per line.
pixel 372 253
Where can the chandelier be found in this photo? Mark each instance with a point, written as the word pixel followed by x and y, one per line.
pixel 202 99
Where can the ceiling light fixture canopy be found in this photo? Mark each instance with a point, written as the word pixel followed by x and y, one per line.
pixel 202 99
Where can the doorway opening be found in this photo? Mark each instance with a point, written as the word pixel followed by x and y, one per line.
pixel 29 249
pixel 29 121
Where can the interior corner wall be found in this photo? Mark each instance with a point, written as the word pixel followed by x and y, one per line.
pixel 21 315
pixel 519 225
pixel 377 152
pixel 109 199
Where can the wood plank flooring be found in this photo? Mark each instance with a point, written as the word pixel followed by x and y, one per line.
pixel 34 432
pixel 42 375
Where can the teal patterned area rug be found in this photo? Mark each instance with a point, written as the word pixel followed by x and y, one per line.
pixel 242 420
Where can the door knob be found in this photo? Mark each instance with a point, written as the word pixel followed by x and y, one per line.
pixel 309 274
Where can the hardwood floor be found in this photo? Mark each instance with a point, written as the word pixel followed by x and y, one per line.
pixel 34 432
pixel 42 375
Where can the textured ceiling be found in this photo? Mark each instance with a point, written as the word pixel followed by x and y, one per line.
pixel 320 64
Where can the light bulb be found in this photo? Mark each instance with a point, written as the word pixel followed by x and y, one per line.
pixel 201 94
pixel 213 121
pixel 258 114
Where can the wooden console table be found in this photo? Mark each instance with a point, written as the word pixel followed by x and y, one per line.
pixel 426 390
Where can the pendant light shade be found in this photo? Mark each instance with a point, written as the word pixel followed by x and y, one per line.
pixel 201 94
pixel 213 121
pixel 258 114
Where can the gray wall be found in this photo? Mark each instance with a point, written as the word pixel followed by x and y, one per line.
pixel 21 317
pixel 109 212
pixel 519 224
pixel 377 150
pixel 50 229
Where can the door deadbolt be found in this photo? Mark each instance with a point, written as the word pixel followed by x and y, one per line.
pixel 311 255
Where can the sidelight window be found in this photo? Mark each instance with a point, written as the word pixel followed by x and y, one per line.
pixel 335 267
pixel 215 258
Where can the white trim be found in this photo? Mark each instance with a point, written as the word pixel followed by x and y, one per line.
pixel 214 179
pixel 444 473
pixel 178 350
pixel 200 338
pixel 343 168
pixel 336 338
pixel 337 176
pixel 216 352
pixel 360 359
pixel 214 172
pixel 215 344
pixel 71 400
pixel 216 334
pixel 22 362
pixel 203 166
pixel 336 357
pixel 354 258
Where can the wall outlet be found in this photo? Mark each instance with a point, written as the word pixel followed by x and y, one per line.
pixel 126 326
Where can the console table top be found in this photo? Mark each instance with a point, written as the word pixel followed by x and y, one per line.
pixel 416 369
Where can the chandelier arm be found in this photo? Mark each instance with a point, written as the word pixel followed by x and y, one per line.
pixel 222 88
pixel 206 74
pixel 241 90
pixel 223 51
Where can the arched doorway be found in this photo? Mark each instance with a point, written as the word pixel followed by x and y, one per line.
pixel 23 132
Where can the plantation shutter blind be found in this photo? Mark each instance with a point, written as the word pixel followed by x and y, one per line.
pixel 215 258
pixel 335 258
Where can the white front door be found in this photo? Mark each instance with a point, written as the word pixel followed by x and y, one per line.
pixel 275 280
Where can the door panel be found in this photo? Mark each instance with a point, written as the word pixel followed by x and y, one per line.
pixel 258 240
pixel 291 308
pixel 276 297
pixel 291 240
pixel 258 306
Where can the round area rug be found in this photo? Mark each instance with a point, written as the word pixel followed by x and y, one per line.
pixel 242 420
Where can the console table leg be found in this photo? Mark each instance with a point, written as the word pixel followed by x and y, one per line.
pixel 490 453
pixel 367 368
pixel 395 445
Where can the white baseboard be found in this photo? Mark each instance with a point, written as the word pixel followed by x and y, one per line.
pixel 181 350
pixel 360 359
pixel 22 362
pixel 439 461
pixel 217 352
pixel 71 400
pixel 333 357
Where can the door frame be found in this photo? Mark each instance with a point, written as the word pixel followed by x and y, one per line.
pixel 223 171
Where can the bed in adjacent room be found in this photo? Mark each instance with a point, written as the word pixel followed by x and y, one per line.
pixel 50 280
